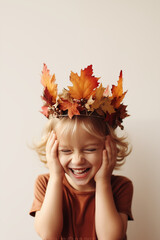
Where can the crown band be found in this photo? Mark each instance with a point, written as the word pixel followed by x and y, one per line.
pixel 81 115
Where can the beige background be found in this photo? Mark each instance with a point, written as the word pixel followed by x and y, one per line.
pixel 69 35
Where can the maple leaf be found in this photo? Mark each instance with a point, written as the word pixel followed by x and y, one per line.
pixel 89 103
pixel 117 92
pixel 45 111
pixel 123 112
pixel 106 92
pixel 107 106
pixel 65 95
pixel 48 82
pixel 116 119
pixel 83 85
pixel 71 107
pixel 47 96
pixel 99 99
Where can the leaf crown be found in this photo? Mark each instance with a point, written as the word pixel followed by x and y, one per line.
pixel 87 97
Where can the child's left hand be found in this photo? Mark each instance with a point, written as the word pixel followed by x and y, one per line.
pixel 108 161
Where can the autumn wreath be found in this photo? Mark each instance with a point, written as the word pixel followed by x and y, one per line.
pixel 86 97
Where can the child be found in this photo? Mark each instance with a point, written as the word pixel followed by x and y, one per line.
pixel 80 198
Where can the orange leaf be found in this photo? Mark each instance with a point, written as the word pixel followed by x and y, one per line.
pixel 117 92
pixel 83 85
pixel 71 107
pixel 49 81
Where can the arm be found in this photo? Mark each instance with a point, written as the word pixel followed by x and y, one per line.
pixel 110 225
pixel 49 220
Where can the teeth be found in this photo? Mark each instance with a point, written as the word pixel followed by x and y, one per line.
pixel 79 171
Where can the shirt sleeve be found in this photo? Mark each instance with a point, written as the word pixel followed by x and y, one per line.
pixel 39 194
pixel 123 197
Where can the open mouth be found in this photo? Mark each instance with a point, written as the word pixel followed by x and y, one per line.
pixel 80 172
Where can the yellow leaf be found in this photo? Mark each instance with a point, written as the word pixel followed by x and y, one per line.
pixel 107 106
pixel 83 85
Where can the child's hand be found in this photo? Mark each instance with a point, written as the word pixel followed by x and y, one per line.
pixel 53 162
pixel 108 161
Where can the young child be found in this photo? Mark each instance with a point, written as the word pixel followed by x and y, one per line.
pixel 80 198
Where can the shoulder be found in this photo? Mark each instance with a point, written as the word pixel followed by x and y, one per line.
pixel 122 188
pixel 42 180
pixel 120 179
pixel 121 184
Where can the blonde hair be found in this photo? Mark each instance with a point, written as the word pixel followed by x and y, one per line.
pixel 97 127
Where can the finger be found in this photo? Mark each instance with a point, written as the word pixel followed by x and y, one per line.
pixel 112 150
pixel 54 150
pixel 108 148
pixel 105 156
pixel 50 141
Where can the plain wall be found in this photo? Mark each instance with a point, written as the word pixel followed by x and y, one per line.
pixel 70 35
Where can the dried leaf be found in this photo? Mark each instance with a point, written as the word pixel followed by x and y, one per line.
pixel 71 107
pixel 65 95
pixel 99 99
pixel 83 85
pixel 47 96
pixel 48 82
pixel 45 111
pixel 107 106
pixel 117 92
pixel 106 92
pixel 89 103
pixel 123 112
pixel 116 119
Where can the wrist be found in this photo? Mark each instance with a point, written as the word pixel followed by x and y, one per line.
pixel 103 182
pixel 56 177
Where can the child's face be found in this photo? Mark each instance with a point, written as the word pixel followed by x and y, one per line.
pixel 81 157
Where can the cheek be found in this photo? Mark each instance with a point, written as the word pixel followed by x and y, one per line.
pixel 97 159
pixel 63 160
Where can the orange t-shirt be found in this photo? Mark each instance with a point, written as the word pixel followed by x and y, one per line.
pixel 79 207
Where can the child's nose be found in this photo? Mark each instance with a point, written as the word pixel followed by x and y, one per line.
pixel 78 158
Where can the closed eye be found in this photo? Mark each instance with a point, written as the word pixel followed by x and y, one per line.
pixel 65 150
pixel 90 149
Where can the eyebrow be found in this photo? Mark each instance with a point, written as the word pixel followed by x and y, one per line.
pixel 89 144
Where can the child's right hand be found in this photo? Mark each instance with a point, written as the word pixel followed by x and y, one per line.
pixel 53 163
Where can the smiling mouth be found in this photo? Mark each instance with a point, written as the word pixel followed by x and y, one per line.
pixel 79 172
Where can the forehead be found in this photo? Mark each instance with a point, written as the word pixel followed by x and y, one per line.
pixel 79 137
pixel 74 130
pixel 81 128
